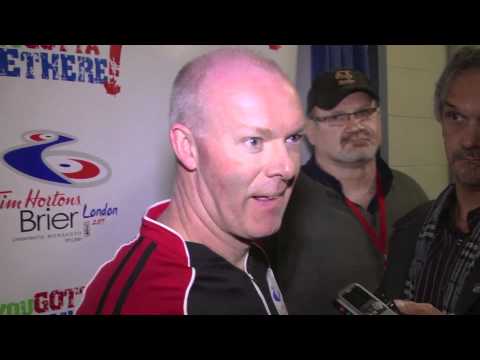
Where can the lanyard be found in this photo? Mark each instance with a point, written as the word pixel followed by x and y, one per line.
pixel 380 239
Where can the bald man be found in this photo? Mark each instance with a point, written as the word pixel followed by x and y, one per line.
pixel 236 129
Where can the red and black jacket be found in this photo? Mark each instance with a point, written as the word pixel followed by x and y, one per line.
pixel 160 273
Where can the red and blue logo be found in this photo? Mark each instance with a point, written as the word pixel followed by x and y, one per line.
pixel 37 160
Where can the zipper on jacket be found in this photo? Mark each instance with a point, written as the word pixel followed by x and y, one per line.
pixel 259 292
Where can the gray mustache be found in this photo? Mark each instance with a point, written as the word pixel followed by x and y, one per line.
pixel 467 154
pixel 364 134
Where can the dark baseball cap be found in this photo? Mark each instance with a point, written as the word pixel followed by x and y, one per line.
pixel 330 88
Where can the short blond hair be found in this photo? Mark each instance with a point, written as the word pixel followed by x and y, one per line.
pixel 186 105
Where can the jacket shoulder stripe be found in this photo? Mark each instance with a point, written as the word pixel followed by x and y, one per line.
pixel 115 276
pixel 133 276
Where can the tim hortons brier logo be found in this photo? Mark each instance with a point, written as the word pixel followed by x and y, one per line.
pixel 53 215
pixel 37 159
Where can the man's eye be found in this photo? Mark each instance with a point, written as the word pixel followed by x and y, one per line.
pixel 254 142
pixel 363 113
pixel 453 116
pixel 295 139
pixel 339 118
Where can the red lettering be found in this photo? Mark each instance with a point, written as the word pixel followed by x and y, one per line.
pixel 56 299
pixel 92 48
pixel 79 290
pixel 79 49
pixel 30 199
pixel 111 85
pixel 71 294
pixel 32 46
pixel 47 47
pixel 63 48
pixel 41 302
pixel 98 221
pixel 55 198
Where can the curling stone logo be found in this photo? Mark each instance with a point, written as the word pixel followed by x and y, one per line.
pixel 37 160
pixel 276 293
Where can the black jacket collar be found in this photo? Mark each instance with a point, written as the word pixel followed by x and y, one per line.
pixel 313 170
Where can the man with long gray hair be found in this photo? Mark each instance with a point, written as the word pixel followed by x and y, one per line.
pixel 236 130
pixel 433 265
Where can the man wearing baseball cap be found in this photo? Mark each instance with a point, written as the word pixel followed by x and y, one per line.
pixel 336 227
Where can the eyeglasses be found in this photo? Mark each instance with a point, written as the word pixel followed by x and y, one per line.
pixel 342 119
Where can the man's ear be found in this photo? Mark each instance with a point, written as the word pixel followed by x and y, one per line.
pixel 184 146
pixel 310 131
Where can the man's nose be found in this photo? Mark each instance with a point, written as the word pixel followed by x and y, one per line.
pixel 471 134
pixel 354 122
pixel 283 162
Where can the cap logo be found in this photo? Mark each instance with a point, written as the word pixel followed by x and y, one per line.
pixel 344 77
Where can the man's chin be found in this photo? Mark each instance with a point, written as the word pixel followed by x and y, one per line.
pixel 355 158
pixel 266 232
pixel 358 153
pixel 469 179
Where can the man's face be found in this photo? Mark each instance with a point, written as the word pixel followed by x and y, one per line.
pixel 460 119
pixel 249 154
pixel 353 141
